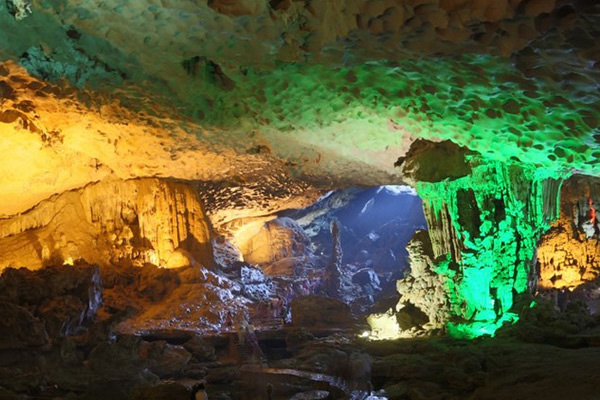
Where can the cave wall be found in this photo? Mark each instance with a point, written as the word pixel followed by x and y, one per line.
pixel 133 221
pixel 569 253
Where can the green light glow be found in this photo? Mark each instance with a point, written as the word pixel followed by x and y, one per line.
pixel 497 247
pixel 498 113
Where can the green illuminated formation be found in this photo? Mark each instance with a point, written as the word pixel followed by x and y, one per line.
pixel 490 222
pixel 479 101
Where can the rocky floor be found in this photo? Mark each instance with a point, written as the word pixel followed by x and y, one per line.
pixel 298 363
pixel 84 332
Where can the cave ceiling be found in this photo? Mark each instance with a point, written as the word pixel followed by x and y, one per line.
pixel 312 93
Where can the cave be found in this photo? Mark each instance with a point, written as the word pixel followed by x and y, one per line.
pixel 300 199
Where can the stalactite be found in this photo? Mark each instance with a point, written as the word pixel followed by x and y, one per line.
pixel 497 215
pixel 444 239
pixel 569 254
pixel 141 220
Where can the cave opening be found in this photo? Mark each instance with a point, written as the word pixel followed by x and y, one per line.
pixel 348 246
pixel 149 282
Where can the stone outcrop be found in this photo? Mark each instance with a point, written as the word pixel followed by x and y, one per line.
pixel 333 269
pixel 136 221
pixel 423 288
pixel 19 328
pixel 421 162
pixel 424 306
pixel 64 300
pixel 484 228
pixel 568 254
pixel 315 311
pixel 272 241
pixel 566 259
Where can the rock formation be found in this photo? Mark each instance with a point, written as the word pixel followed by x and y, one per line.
pixel 569 253
pixel 333 269
pixel 114 221
pixel 156 155
pixel 273 241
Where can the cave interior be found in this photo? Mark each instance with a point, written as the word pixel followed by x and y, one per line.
pixel 300 199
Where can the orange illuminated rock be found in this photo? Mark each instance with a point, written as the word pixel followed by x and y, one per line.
pixel 569 254
pixel 273 241
pixel 566 258
pixel 135 221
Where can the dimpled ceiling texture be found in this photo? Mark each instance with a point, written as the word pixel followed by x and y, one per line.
pixel 328 92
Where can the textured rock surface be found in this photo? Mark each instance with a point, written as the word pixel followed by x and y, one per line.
pixel 59 138
pixel 148 220
pixel 423 307
pixel 569 254
pixel 261 104
pixel 424 288
pixel 64 300
pixel 20 329
pixel 275 240
pixel 332 90
pixel 496 216
pixel 316 311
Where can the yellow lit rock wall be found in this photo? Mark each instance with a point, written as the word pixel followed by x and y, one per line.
pixel 568 256
pixel 134 221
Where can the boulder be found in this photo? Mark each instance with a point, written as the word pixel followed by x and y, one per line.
pixel 316 311
pixel 163 359
pixel 277 239
pixel 120 361
pixel 199 349
pixel 19 329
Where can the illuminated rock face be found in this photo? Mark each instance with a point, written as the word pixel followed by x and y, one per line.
pixel 487 225
pixel 424 288
pixel 281 99
pixel 484 225
pixel 134 221
pixel 566 258
pixel 569 254
pixel 423 307
pixel 273 241
pixel 337 89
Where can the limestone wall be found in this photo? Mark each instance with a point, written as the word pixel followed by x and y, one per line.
pixel 141 220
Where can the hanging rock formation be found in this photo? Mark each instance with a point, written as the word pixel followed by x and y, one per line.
pixel 569 253
pixel 484 224
pixel 497 213
pixel 135 221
